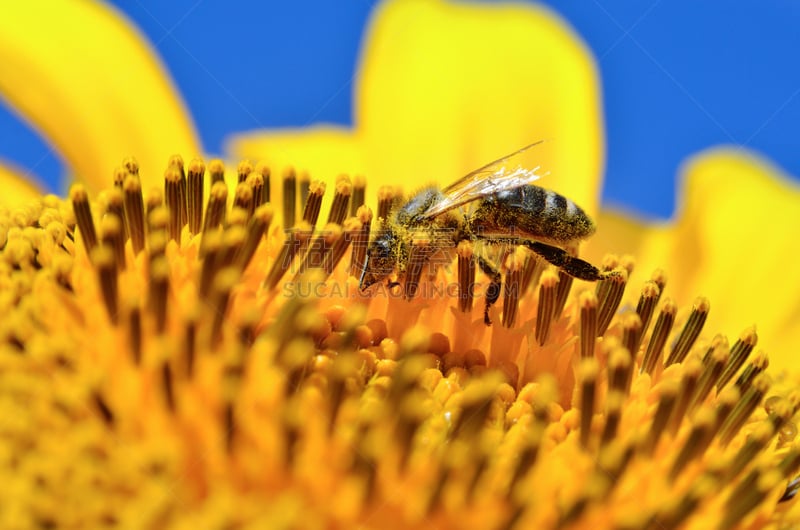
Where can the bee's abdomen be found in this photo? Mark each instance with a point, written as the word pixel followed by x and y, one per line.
pixel 532 212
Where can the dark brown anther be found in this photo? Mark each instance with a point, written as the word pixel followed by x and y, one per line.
pixel 361 241
pixel 386 197
pixel 296 238
pixel 304 186
pixel 289 197
pixel 172 196
pixel 194 195
pixel 587 301
pixel 158 291
pixel 614 403
pixel 243 170
pixel 243 198
pixel 256 228
pixel 216 170
pixel 233 239
pixel 466 276
pixel 668 397
pixel 588 371
pixel 655 348
pixel 739 353
pixel 176 161
pixel 351 227
pixel 548 287
pixel 190 344
pixel 319 247
pixel 168 385
pixel 131 165
pixel 631 333
pixel 111 228
pixel 712 369
pixel 696 444
pixel 747 495
pixel 313 202
pixel 102 407
pixel 224 282
pixel 532 271
pixel 727 399
pixel 564 285
pixel 134 212
pixel 756 366
pixel 215 211
pixel 135 334
pixel 359 195
pixel 691 330
pixel 341 200
pixel 609 294
pixel 512 286
pixel 647 304
pixel 620 368
pixel 744 408
pixel 692 368
pixel 83 217
pixel 213 248
pixel 673 514
pixel 263 170
pixel 116 206
pixel 256 182
pixel 755 442
pixel 103 259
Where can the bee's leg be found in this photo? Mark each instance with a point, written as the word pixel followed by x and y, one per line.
pixel 493 291
pixel 575 267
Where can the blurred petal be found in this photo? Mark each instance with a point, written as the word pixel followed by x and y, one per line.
pixel 446 87
pixel 734 241
pixel 92 86
pixel 324 151
pixel 17 188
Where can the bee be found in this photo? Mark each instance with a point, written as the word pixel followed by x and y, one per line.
pixel 496 205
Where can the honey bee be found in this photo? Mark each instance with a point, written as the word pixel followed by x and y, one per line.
pixel 496 205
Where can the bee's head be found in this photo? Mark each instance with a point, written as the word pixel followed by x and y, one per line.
pixel 381 259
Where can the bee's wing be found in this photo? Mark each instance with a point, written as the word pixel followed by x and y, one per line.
pixel 501 174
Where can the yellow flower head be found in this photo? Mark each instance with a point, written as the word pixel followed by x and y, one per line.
pixel 200 354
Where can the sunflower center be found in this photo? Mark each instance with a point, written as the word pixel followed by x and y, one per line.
pixel 166 358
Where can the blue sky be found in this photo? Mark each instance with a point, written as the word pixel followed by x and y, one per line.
pixel 678 77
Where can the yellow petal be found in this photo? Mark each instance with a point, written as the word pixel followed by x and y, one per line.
pixel 17 188
pixel 324 152
pixel 446 87
pixel 734 241
pixel 93 87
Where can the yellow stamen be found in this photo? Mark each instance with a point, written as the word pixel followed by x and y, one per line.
pixel 691 330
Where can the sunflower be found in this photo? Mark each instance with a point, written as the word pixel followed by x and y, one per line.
pixel 199 353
